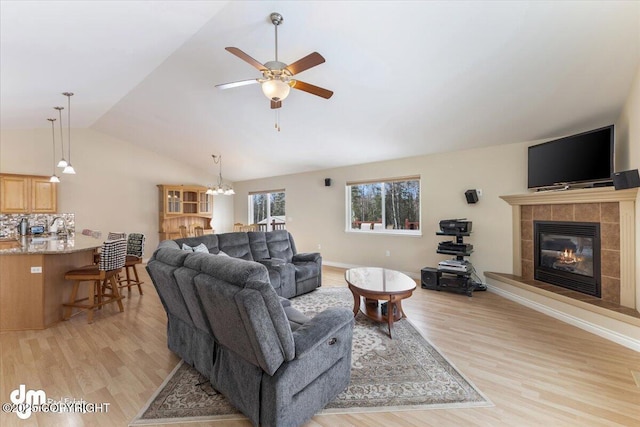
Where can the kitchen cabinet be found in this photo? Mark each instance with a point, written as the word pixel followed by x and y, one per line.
pixel 183 205
pixel 27 194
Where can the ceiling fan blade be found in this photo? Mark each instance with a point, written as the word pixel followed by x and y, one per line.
pixel 305 63
pixel 237 84
pixel 240 54
pixel 276 104
pixel 314 90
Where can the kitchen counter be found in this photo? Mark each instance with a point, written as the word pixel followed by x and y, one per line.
pixel 32 284
pixel 51 244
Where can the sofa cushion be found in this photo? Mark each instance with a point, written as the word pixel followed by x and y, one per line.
pixel 306 270
pixel 235 245
pixel 200 248
pixel 209 240
pixel 279 245
pixel 232 292
pixel 258 244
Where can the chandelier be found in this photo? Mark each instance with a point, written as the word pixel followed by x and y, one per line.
pixel 221 187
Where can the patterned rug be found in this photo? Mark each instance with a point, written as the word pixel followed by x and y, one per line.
pixel 403 373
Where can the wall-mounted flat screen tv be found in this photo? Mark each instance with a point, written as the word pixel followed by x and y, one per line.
pixel 584 158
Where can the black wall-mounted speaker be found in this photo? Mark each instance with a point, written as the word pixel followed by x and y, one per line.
pixel 626 179
pixel 327 182
pixel 472 196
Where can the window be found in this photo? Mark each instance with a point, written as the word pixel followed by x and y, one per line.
pixel 385 206
pixel 267 209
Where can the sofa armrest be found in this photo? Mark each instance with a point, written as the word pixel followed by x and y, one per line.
pixel 272 262
pixel 324 328
pixel 307 257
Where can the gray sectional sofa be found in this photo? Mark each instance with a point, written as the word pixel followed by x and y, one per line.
pixel 291 273
pixel 274 364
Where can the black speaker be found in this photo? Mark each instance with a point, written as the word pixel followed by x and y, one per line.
pixel 327 182
pixel 472 196
pixel 430 278
pixel 626 179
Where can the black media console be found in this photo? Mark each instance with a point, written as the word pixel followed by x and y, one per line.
pixel 453 275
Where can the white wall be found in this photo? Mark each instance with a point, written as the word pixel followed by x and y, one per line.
pixel 115 185
pixel 628 140
pixel 317 213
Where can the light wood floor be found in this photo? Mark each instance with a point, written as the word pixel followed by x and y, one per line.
pixel 537 370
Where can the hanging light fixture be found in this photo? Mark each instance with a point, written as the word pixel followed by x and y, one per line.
pixel 68 169
pixel 54 177
pixel 221 188
pixel 63 162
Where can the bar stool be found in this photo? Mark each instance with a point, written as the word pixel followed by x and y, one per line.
pixel 102 278
pixel 135 252
pixel 111 236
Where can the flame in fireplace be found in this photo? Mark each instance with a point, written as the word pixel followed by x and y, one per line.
pixel 567 257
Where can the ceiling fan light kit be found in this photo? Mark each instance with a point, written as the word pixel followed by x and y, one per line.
pixel 277 77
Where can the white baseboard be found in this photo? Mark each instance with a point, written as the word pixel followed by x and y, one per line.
pixel 600 330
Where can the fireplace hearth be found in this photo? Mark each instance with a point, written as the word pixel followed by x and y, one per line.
pixel 567 254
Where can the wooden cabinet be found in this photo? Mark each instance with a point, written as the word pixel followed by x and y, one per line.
pixel 182 205
pixel 27 194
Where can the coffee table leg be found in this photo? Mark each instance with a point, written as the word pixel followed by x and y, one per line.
pixel 400 310
pixel 390 308
pixel 356 302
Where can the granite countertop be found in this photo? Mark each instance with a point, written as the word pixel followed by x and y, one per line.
pixel 53 244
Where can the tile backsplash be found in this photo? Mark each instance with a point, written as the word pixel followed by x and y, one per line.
pixel 9 222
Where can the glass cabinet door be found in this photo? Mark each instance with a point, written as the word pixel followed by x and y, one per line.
pixel 206 202
pixel 174 201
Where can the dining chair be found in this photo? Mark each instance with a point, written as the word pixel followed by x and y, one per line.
pixel 135 252
pixel 104 287
pixel 183 231
pixel 237 226
pixel 198 231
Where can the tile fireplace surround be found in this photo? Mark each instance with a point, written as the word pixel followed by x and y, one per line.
pixel 615 315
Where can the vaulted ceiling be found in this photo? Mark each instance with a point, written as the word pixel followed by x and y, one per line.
pixel 409 78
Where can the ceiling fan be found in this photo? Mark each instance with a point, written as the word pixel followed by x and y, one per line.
pixel 277 77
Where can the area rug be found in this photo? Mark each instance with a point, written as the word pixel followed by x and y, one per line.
pixel 403 373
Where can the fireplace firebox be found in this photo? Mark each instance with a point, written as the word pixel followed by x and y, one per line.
pixel 567 254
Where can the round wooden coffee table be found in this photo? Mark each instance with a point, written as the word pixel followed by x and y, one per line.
pixel 379 284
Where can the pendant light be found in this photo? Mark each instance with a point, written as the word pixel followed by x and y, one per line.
pixel 221 188
pixel 62 163
pixel 54 177
pixel 69 169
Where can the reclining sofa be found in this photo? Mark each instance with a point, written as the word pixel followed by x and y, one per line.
pixel 291 273
pixel 274 364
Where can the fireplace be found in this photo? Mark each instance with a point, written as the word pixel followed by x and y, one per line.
pixel 567 254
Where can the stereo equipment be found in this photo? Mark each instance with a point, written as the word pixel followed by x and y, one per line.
pixel 452 226
pixel 455 247
pixel 463 267
pixel 472 196
pixel 454 282
pixel 430 278
pixel 626 179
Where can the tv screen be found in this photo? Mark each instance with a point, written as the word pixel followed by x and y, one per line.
pixel 583 158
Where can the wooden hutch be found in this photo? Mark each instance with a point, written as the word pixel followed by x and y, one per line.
pixel 183 205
